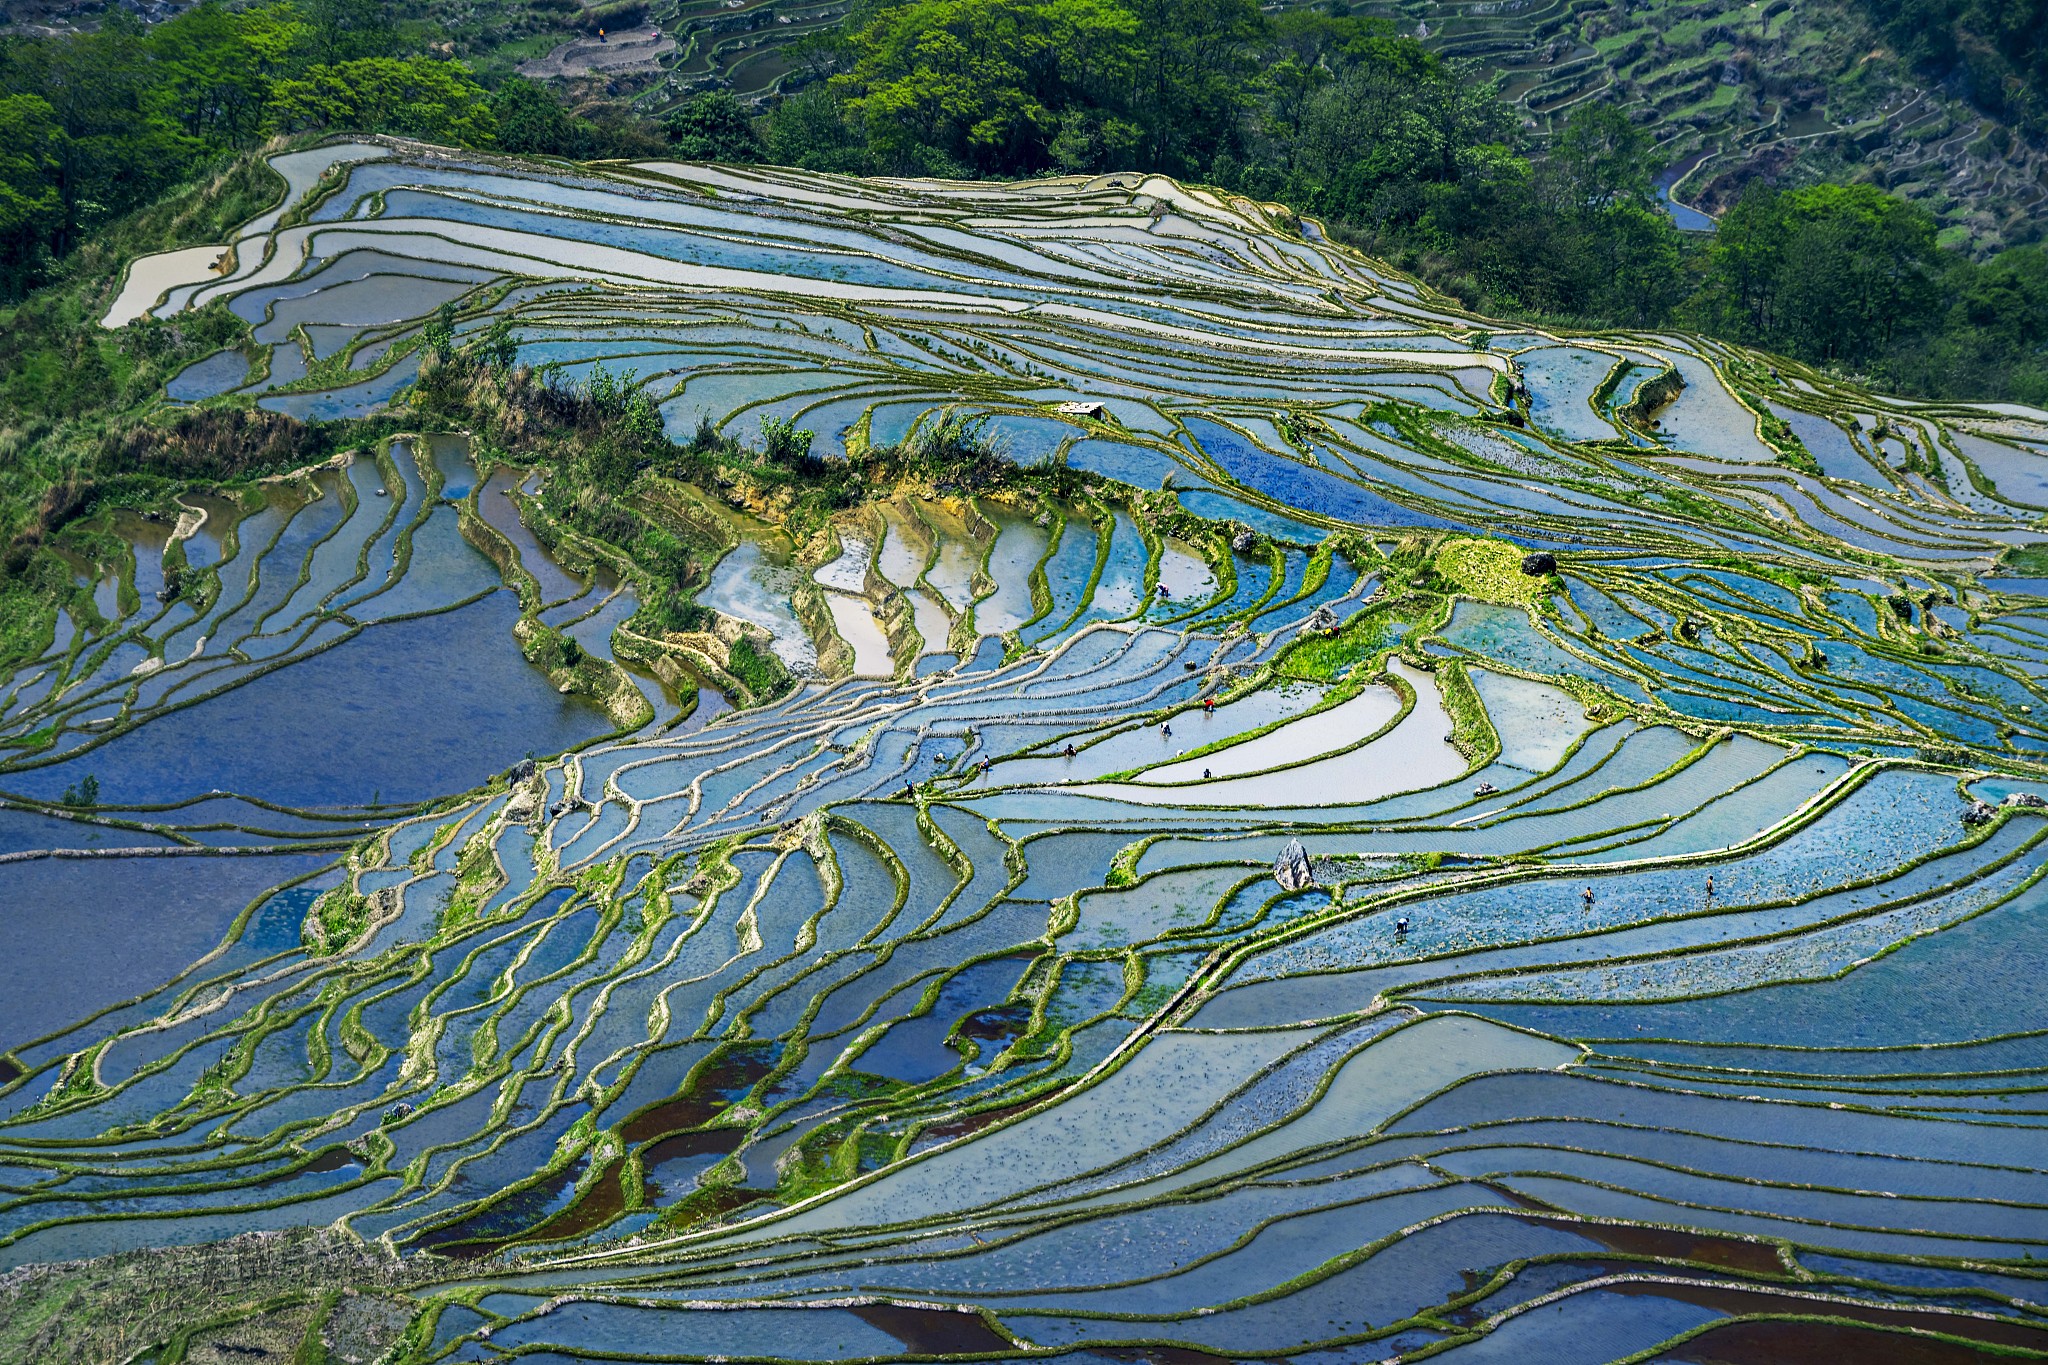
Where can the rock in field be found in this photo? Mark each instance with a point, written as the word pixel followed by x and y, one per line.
pixel 1291 868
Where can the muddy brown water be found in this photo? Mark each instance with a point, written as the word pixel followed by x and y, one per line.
pixel 934 1331
pixel 708 1090
pixel 1670 1244
pixel 1781 1342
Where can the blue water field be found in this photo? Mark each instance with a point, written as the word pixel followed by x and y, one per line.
pixel 101 930
pixel 341 728
pixel 1537 959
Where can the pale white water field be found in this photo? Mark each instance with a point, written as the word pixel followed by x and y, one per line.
pixel 934 627
pixel 1134 747
pixel 1185 575
pixel 1341 726
pixel 952 574
pixel 151 277
pixel 1415 753
pixel 856 624
pixel 906 547
pixel 754 586
pixel 1538 722
pixel 849 571
pixel 181 272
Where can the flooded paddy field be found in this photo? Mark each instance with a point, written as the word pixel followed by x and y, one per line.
pixel 1368 847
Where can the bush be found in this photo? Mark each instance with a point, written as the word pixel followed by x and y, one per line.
pixel 415 96
pixel 955 451
pixel 673 610
pixel 216 444
pixel 552 650
pixel 531 121
pixel 762 674
pixel 784 443
pixel 713 127
pixel 811 129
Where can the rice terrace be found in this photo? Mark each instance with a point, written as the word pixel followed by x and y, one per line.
pixel 809 767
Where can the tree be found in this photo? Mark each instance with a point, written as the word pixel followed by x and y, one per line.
pixel 1191 78
pixel 412 96
pixel 784 442
pixel 438 336
pixel 1089 140
pixel 813 129
pixel 30 206
pixel 1602 161
pixel 1829 273
pixel 1996 338
pixel 213 68
pixel 2005 301
pixel 981 84
pixel 1616 253
pixel 127 111
pixel 1392 124
pixel 112 152
pixel 605 393
pixel 497 349
pixel 347 30
pixel 1744 264
pixel 531 121
pixel 641 424
pixel 1998 48
pixel 1636 274
pixel 714 126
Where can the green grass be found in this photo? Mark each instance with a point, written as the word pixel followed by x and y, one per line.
pixel 339 916
pixel 28 624
pixel 2028 560
pixel 761 674
pixel 1326 658
pixel 1491 570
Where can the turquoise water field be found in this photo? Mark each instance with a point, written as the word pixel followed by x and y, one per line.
pixel 1391 838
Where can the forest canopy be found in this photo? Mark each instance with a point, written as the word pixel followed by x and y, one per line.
pixel 95 125
pixel 1405 155
pixel 1337 115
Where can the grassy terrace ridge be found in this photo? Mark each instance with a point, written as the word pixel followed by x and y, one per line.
pixel 903 769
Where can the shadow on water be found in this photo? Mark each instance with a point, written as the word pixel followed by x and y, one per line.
pixel 545 1211
pixel 402 711
pixel 101 930
pixel 1874 1335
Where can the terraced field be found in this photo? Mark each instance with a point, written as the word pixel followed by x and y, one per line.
pixel 740 45
pixel 690 45
pixel 1221 900
pixel 1791 90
